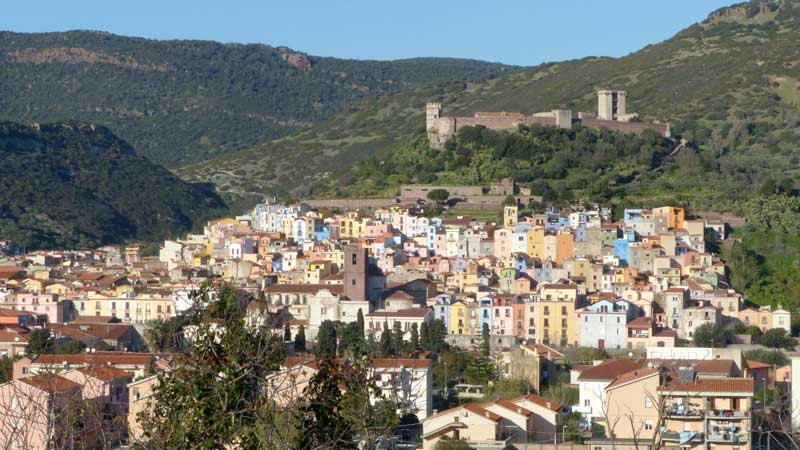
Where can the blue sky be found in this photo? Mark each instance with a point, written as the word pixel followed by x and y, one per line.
pixel 524 32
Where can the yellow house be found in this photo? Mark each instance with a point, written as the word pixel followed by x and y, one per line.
pixel 536 242
pixel 555 316
pixel 675 216
pixel 33 285
pixel 141 308
pixel 458 318
pixel 510 216
pixel 58 289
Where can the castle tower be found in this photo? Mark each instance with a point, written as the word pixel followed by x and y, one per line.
pixel 433 111
pixel 610 104
pixel 510 216
pixel 355 273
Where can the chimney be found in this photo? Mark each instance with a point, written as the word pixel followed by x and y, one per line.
pixel 488 415
pixel 549 405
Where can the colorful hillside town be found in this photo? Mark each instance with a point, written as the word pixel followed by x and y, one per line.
pixel 524 292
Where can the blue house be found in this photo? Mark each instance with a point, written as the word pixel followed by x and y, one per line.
pixel 484 313
pixel 441 309
pixel 322 232
pixel 580 233
pixel 622 251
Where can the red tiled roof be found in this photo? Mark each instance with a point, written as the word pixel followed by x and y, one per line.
pixel 114 358
pixel 105 372
pixel 631 376
pixel 509 406
pixel 739 385
pixel 757 364
pixel 541 401
pixel 611 368
pixel 411 313
pixel 643 322
pixel 50 383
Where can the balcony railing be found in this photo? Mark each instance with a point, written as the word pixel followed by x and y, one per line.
pixel 726 414
pixel 731 438
pixel 682 436
pixel 683 412
pixel 501 444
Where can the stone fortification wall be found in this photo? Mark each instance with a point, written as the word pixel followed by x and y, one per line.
pixel 412 192
pixel 352 203
pixel 628 127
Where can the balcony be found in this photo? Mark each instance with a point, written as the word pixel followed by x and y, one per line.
pixel 488 445
pixel 682 437
pixel 728 438
pixel 683 412
pixel 726 414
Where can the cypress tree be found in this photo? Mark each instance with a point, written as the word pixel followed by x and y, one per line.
pixel 360 322
pixel 287 332
pixel 326 340
pixel 300 340
pixel 424 336
pixel 414 341
pixel 386 341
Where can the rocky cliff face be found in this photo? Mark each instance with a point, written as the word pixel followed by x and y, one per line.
pixel 74 55
pixel 296 59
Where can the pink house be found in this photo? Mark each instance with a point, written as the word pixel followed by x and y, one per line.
pixel 377 229
pixel 33 409
pixel 503 317
pixel 43 304
pixel 105 384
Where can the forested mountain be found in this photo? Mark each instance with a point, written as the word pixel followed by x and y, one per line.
pixel 730 85
pixel 185 101
pixel 77 185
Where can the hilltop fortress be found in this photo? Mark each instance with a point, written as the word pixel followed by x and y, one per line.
pixel 611 114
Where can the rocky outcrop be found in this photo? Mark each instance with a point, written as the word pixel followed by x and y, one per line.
pixel 296 59
pixel 76 55
pixel 744 11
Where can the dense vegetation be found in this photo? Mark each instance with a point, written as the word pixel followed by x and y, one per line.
pixel 559 164
pixel 185 101
pixel 73 185
pixel 730 86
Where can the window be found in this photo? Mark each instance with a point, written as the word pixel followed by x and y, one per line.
pixel 648 402
pixel 587 402
pixel 648 424
pixel 586 318
pixel 564 310
pixel 355 258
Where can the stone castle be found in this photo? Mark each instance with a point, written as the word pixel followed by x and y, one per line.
pixel 611 114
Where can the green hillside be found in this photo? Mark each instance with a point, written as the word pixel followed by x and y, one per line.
pixel 75 185
pixel 730 85
pixel 178 102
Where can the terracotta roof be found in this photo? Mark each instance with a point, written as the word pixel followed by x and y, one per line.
pixel 50 383
pixel 105 372
pixel 757 364
pixel 642 322
pixel 98 331
pixel 400 295
pixel 541 401
pixel 412 313
pixel 666 333
pixel 509 406
pixel 7 335
pixel 739 385
pixel 610 369
pixel 631 376
pixel 5 312
pixel 114 358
